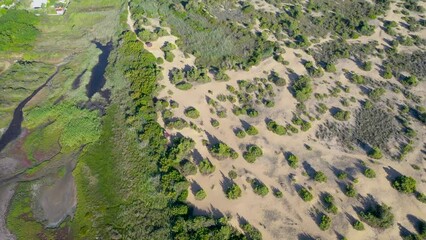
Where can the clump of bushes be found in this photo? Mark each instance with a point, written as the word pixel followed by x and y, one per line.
pixel 330 206
pixel 232 174
pixel 200 195
pixel 404 184
pixel 305 194
pixel 233 192
pixel 358 225
pixel 214 123
pixel 206 167
pixel 375 153
pixel 240 133
pixel 369 173
pixel 276 128
pixel 325 222
pixel 259 187
pixel 320 177
pixel 252 153
pixel 176 123
pixel 293 160
pixel 342 115
pixel 378 216
pixel 222 151
pixel 252 130
pixel 302 88
pixel 251 232
pixel 350 190
pixel 277 193
pixel 187 168
pixel 191 112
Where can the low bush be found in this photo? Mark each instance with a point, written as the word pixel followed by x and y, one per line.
pixel 305 194
pixel 259 188
pixel 325 222
pixel 320 177
pixel 358 225
pixel 252 130
pixel 233 192
pixel 252 153
pixel 292 160
pixel 200 195
pixel 379 216
pixel 350 190
pixel 221 151
pixel 191 112
pixel 206 167
pixel 276 128
pixel 369 173
pixel 404 184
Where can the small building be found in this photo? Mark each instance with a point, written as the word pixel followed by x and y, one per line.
pixel 36 4
pixel 60 11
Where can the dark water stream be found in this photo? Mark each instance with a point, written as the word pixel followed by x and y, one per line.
pixel 97 80
pixel 14 128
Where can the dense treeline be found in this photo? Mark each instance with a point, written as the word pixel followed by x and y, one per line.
pixel 17 30
pixel 139 67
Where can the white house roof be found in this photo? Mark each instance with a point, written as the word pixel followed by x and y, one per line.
pixel 38 3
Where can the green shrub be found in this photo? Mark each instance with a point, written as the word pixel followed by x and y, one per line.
pixel 329 203
pixel 214 123
pixel 169 56
pixel 325 222
pixel 410 81
pixel 187 168
pixel 233 192
pixel 342 115
pixel 206 167
pixel 276 128
pixel 232 174
pixel 251 232
pixel 375 153
pixel 379 216
pixel 240 133
pixel 367 66
pixel 17 30
pixel 305 194
pixel 421 197
pixel 252 153
pixel 191 112
pixel 259 188
pixel 350 190
pixel 277 193
pixel 404 184
pixel 200 195
pixel 252 130
pixel 221 151
pixel 302 88
pixel 184 86
pixel 342 175
pixel 292 160
pixel 369 173
pixel 320 177
pixel 358 225
pixel 305 126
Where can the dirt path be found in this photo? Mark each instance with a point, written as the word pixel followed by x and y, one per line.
pixel 131 23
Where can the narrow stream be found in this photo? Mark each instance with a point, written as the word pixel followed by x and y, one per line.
pixel 97 80
pixel 14 128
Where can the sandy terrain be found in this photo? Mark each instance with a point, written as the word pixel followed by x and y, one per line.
pixel 290 217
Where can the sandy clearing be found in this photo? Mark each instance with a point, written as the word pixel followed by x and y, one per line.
pixel 289 217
